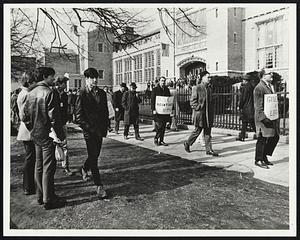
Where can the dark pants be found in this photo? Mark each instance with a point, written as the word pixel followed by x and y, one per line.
pixel 265 146
pixel 207 137
pixel 93 144
pixel 244 128
pixel 28 167
pixel 44 170
pixel 117 125
pixel 136 130
pixel 160 128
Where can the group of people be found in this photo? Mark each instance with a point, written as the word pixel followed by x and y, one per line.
pixel 43 110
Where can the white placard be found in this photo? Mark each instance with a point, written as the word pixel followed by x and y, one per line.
pixel 271 106
pixel 111 111
pixel 164 105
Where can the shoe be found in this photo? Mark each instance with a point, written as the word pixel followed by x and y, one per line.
pixel 126 137
pixel 163 144
pixel 116 132
pixel 101 193
pixel 254 136
pixel 29 192
pixel 130 134
pixel 55 203
pixel 110 129
pixel 186 147
pixel 156 142
pixel 261 164
pixel 84 174
pixel 240 139
pixel 266 161
pixel 40 201
pixel 153 130
pixel 139 138
pixel 68 172
pixel 211 152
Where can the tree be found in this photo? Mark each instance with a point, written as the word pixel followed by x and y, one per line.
pixel 27 26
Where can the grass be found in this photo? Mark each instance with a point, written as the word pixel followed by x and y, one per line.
pixel 148 190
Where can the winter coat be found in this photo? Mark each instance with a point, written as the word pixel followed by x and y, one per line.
pixel 91 112
pixel 23 133
pixel 246 103
pixel 62 99
pixel 202 104
pixel 259 91
pixel 117 103
pixel 159 91
pixel 130 103
pixel 41 112
pixel 174 93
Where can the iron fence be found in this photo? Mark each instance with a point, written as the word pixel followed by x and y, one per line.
pixel 226 112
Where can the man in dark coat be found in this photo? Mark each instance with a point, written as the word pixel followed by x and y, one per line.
pixel 92 116
pixel 246 106
pixel 117 104
pixel 202 105
pixel 130 103
pixel 160 119
pixel 62 98
pixel 266 129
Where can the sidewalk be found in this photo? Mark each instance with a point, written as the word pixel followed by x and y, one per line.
pixel 234 155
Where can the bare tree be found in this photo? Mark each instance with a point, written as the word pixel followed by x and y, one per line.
pixel 26 30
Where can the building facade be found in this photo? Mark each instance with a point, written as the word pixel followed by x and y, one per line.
pixel 266 40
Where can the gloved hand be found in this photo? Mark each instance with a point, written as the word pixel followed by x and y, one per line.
pixel 154 112
pixel 267 122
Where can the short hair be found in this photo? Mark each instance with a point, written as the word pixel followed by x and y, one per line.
pixel 91 73
pixel 45 72
pixel 29 77
pixel 262 73
pixel 202 74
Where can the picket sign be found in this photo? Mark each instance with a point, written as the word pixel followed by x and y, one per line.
pixel 111 111
pixel 164 105
pixel 271 106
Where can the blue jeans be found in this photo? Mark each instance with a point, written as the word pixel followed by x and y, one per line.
pixel 44 170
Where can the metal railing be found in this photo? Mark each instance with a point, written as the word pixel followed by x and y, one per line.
pixel 226 112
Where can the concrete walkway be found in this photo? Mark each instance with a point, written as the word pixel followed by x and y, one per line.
pixel 234 155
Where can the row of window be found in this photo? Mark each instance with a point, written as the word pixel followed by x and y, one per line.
pixel 234 12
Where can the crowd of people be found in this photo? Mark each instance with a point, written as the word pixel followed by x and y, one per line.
pixel 45 108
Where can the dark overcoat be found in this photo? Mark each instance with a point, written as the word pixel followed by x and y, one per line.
pixel 130 103
pixel 246 102
pixel 62 99
pixel 91 112
pixel 259 91
pixel 117 103
pixel 159 91
pixel 202 104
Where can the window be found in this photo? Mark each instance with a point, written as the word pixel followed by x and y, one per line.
pixel 158 61
pixel 167 73
pixel 128 70
pixel 217 66
pixel 137 71
pixel 234 37
pixel 234 12
pixel 75 83
pixel 79 83
pixel 216 12
pixel 119 78
pixel 100 47
pixel 269 43
pixel 149 66
pixel 101 74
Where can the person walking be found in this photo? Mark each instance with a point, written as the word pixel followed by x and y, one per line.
pixel 130 103
pixel 160 119
pixel 41 113
pixel 28 81
pixel 174 116
pixel 267 130
pixel 109 102
pixel 246 107
pixel 117 104
pixel 202 105
pixel 92 117
pixel 62 98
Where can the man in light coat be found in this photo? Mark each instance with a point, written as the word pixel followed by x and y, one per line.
pixel 267 130
pixel 202 105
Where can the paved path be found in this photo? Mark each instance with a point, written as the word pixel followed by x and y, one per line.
pixel 234 155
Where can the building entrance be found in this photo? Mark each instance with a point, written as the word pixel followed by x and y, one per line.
pixel 190 67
